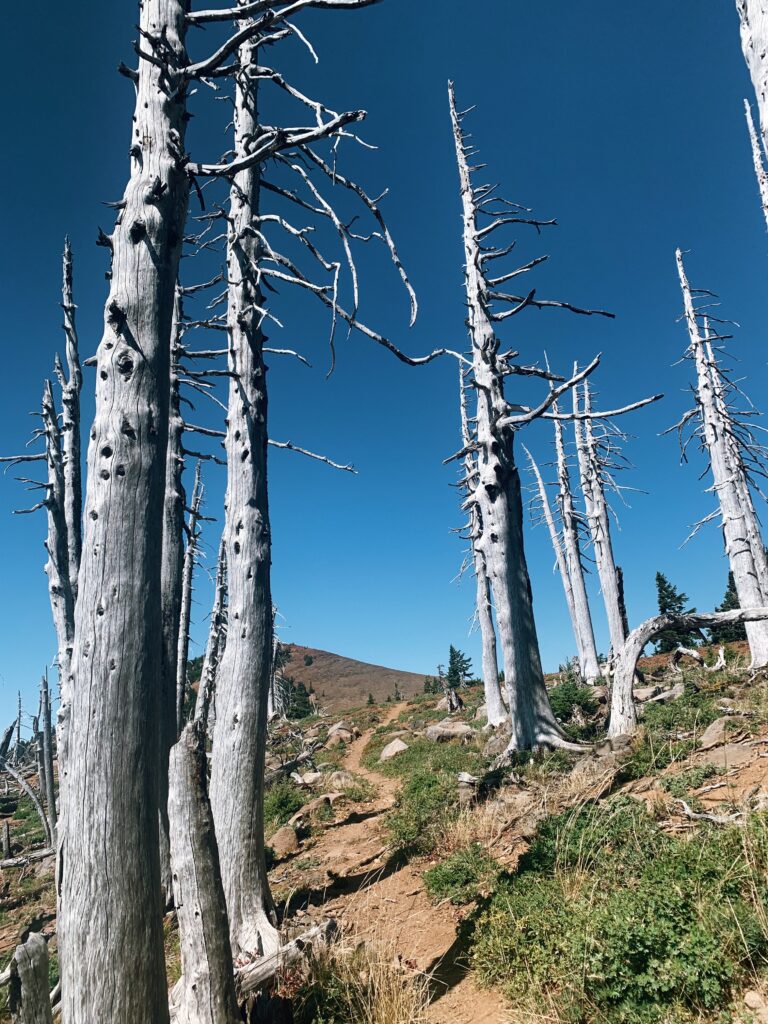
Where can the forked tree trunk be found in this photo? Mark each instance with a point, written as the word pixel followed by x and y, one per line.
pixel 242 683
pixel 623 716
pixel 496 712
pixel 28 996
pixel 499 500
pixel 109 871
pixel 729 495
pixel 596 507
pixel 205 993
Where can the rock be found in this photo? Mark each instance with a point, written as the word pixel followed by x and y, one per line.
pixel 729 756
pixel 644 693
pixel 392 749
pixel 416 724
pixel 481 713
pixel 753 1000
pixel 341 779
pixel 339 738
pixel 442 705
pixel 284 842
pixel 496 745
pixel 600 693
pixel 448 730
pixel 343 725
pixel 312 778
pixel 714 734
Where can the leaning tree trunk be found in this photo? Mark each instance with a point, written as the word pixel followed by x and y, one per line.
pixel 50 789
pixel 499 500
pixel 596 508
pixel 242 681
pixel 187 579
pixel 28 997
pixel 109 871
pixel 217 638
pixel 494 704
pixel 205 993
pixel 715 434
pixel 753 15
pixel 623 717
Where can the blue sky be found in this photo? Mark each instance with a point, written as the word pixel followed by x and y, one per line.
pixel 623 122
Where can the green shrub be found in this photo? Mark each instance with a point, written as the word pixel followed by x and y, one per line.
pixel 425 801
pixel 567 696
pixel 618 922
pixel 468 872
pixel 281 802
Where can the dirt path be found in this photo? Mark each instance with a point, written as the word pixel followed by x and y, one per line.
pixel 385 901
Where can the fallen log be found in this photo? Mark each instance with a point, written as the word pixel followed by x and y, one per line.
pixel 254 976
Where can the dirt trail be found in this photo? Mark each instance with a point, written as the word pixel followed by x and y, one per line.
pixel 386 901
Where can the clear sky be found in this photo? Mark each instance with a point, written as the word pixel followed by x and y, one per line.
pixel 623 121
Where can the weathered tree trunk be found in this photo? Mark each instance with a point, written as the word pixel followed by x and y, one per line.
pixel 50 789
pixel 623 717
pixel 590 668
pixel 28 996
pixel 109 871
pixel 174 504
pixel 596 508
pixel 496 712
pixel 206 992
pixel 753 15
pixel 499 499
pixel 242 683
pixel 187 580
pixel 6 839
pixel 758 159
pixel 730 496
pixel 217 639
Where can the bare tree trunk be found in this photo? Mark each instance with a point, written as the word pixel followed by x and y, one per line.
pixel 753 15
pixel 496 712
pixel 17 746
pixel 6 840
pixel 172 572
pixel 40 762
pixel 596 507
pixel 499 498
pixel 623 717
pixel 50 790
pixel 206 992
pixel 25 787
pixel 28 996
pixel 217 639
pixel 758 159
pixel 109 870
pixel 730 496
pixel 242 684
pixel 187 578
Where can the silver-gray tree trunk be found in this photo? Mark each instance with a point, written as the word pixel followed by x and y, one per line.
pixel 729 496
pixel 205 993
pixel 242 680
pixel 187 579
pixel 28 997
pixel 499 500
pixel 753 15
pixel 596 507
pixel 109 870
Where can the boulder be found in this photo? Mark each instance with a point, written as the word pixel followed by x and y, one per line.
pixel 448 730
pixel 343 727
pixel 392 749
pixel 732 755
pixel 644 693
pixel 442 705
pixel 481 713
pixel 284 842
pixel 341 779
pixel 312 778
pixel 339 738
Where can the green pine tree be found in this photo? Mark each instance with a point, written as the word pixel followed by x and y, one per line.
pixel 732 632
pixel 459 667
pixel 371 701
pixel 672 601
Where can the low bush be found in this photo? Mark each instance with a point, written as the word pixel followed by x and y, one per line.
pixel 566 697
pixel 467 873
pixel 281 801
pixel 615 921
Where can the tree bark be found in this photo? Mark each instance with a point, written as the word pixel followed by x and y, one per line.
pixel 206 992
pixel 753 15
pixel 242 683
pixel 759 155
pixel 730 495
pixel 50 789
pixel 187 579
pixel 71 386
pixel 109 871
pixel 596 506
pixel 623 716
pixel 217 639
pixel 499 499
pixel 28 997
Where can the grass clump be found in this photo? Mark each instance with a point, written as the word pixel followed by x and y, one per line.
pixel 281 801
pixel 612 920
pixel 467 873
pixel 342 984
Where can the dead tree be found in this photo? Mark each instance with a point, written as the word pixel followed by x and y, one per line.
pixel 498 483
pixel 217 639
pixel 753 17
pixel 495 708
pixel 733 454
pixel 190 556
pixel 47 736
pixel 109 873
pixel 594 457
pixel 28 995
pixel 623 716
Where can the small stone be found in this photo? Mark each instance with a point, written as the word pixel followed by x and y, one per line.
pixel 448 730
pixel 714 734
pixel 753 1000
pixel 284 842
pixel 392 749
pixel 312 778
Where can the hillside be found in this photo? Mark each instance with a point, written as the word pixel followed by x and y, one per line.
pixel 343 682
